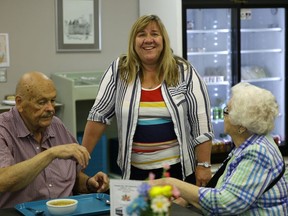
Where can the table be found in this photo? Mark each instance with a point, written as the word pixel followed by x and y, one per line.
pixel 5 108
pixel 175 210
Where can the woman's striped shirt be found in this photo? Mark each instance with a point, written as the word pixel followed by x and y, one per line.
pixel 155 142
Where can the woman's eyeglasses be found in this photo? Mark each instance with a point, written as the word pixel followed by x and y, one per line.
pixel 225 111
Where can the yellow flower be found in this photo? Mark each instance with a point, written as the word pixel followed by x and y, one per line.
pixel 155 191
pixel 165 190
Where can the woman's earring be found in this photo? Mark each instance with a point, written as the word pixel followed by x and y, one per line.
pixel 241 130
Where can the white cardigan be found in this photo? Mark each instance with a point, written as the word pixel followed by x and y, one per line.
pixel 188 104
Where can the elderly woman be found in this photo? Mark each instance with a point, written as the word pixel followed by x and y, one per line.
pixel 252 182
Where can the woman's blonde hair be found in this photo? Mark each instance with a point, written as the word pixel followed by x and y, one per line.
pixel 130 63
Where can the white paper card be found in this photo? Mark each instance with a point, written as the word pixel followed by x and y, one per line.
pixel 122 193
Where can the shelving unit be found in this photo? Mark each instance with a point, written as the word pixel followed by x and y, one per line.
pixel 73 88
pixel 77 92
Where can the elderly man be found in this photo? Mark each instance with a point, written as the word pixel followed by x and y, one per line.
pixel 39 158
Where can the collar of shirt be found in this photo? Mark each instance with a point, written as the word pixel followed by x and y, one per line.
pixel 251 140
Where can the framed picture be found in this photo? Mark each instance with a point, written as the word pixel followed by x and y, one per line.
pixel 4 50
pixel 78 26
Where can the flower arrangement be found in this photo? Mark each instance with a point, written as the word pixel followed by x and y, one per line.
pixel 153 200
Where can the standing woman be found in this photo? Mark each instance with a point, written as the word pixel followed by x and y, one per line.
pixel 162 109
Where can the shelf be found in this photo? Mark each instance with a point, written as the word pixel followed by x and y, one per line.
pixel 267 79
pixel 253 30
pixel 208 31
pixel 214 121
pixel 4 108
pixel 209 53
pixel 217 83
pixel 261 30
pixel 261 51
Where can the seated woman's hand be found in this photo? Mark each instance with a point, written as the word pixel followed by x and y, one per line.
pixel 180 201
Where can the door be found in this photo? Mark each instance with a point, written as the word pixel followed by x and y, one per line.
pixel 263 55
pixel 209 49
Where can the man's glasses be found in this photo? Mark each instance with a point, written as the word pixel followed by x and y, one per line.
pixel 225 111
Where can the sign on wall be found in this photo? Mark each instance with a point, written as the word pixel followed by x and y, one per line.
pixel 4 50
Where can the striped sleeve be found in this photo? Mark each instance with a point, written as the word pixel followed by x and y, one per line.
pixel 104 106
pixel 198 102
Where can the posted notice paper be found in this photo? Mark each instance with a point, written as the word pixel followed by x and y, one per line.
pixel 122 193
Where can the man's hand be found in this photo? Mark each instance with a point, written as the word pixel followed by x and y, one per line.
pixel 99 182
pixel 69 151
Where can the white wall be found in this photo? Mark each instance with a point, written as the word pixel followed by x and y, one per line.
pixel 170 12
pixel 31 28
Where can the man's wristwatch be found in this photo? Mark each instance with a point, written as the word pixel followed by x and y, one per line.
pixel 204 164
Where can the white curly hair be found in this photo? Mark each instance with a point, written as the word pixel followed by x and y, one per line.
pixel 253 107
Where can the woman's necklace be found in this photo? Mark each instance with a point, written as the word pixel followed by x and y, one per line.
pixel 150 86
